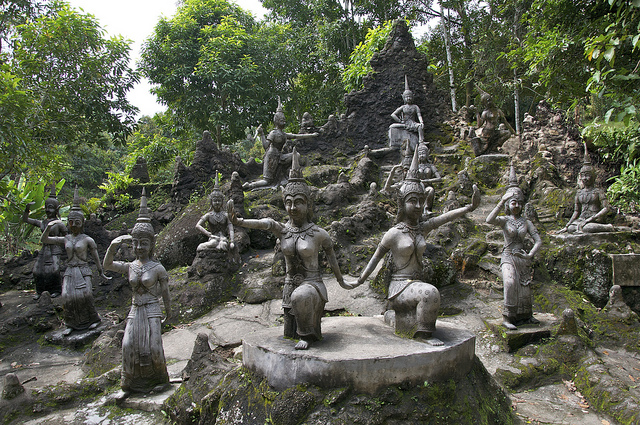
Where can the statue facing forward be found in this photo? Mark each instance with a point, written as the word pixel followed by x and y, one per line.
pixel 408 118
pixel 415 302
pixel 301 240
pixel 216 224
pixel 492 135
pixel 144 368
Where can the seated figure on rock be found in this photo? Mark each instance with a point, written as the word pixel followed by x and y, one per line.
pixel 516 262
pixel 273 145
pixel 491 135
pixel 408 122
pixel 304 294
pixel 415 302
pixel 46 270
pixel 216 224
pixel 591 205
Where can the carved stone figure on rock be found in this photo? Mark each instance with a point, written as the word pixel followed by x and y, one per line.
pixel 79 311
pixel 409 123
pixel 591 205
pixel 144 368
pixel 415 302
pixel 273 144
pixel 46 270
pixel 301 240
pixel 491 135
pixel 216 224
pixel 516 261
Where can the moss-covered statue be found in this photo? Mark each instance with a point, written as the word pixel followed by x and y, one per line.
pixel 408 122
pixel 144 368
pixel 301 240
pixel 491 122
pixel 273 145
pixel 516 261
pixel 79 310
pixel 46 270
pixel 591 205
pixel 216 224
pixel 415 302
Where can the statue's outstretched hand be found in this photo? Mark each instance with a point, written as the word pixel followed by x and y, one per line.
pixel 475 199
pixel 231 213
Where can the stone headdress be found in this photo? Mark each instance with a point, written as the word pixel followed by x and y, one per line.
pixel 143 227
pixel 296 185
pixel 76 211
pixel 52 199
pixel 412 183
pixel 279 110
pixel 586 162
pixel 514 189
pixel 216 192
pixel 407 90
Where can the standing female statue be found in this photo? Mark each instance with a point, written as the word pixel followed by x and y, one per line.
pixel 273 145
pixel 591 205
pixel 46 270
pixel 415 302
pixel 304 294
pixel 77 297
pixel 144 368
pixel 516 262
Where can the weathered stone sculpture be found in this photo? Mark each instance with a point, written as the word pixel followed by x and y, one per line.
pixel 491 136
pixel 408 123
pixel 273 145
pixel 516 261
pixel 144 368
pixel 77 297
pixel 301 240
pixel 591 205
pixel 416 303
pixel 216 224
pixel 46 270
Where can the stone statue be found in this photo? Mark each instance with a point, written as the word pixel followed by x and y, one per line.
pixel 415 302
pixel 216 224
pixel 144 368
pixel 46 270
pixel 516 262
pixel 491 136
pixel 407 119
pixel 591 205
pixel 77 298
pixel 273 145
pixel 301 240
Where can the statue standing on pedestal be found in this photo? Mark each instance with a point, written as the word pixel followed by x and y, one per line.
pixel 46 270
pixel 415 302
pixel 516 261
pixel 273 145
pixel 591 205
pixel 144 368
pixel 216 224
pixel 301 240
pixel 77 298
pixel 407 117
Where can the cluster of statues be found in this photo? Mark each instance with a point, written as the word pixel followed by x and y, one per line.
pixel 414 301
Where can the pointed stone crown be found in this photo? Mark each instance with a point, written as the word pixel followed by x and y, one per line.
pixel 76 211
pixel 143 227
pixel 297 184
pixel 412 183
pixel 216 192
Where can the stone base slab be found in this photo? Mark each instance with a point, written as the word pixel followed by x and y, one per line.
pixel 525 334
pixel 360 352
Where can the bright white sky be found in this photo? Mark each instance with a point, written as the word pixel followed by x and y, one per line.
pixel 135 20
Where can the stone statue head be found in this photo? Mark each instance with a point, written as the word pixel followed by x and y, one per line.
pixel 423 153
pixel 486 100
pixel 75 219
pixel 279 119
pixel 410 186
pixel 216 198
pixel 513 190
pixel 297 185
pixel 51 204
pixel 407 94
pixel 143 228
pixel 587 176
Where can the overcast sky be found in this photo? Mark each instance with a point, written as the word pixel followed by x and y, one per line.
pixel 135 20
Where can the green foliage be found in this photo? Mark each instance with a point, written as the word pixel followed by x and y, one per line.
pixel 115 186
pixel 359 65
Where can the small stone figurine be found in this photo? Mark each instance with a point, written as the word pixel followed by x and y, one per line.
pixel 77 298
pixel 144 368
pixel 46 270
pixel 216 224
pixel 301 240
pixel 516 262
pixel 415 302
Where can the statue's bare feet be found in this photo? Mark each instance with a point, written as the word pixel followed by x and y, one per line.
pixel 67 332
pixel 427 337
pixel 434 341
pixel 94 325
pixel 302 345
pixel 161 388
pixel 507 324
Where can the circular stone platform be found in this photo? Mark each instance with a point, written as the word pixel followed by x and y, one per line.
pixel 361 352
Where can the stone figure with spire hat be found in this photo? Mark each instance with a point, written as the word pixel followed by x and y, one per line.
pixel 516 261
pixel 77 297
pixel 216 224
pixel 414 303
pixel 274 144
pixel 46 270
pixel 301 241
pixel 144 368
pixel 408 122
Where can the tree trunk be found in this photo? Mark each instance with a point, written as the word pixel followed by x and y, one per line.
pixel 447 46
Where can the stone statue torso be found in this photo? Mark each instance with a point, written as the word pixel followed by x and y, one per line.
pixel 144 279
pixel 407 248
pixel 77 248
pixel 515 231
pixel 217 222
pixel 590 202
pixel 300 248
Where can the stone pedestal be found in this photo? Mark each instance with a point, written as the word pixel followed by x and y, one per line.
pixel 361 352
pixel 214 261
pixel 525 334
pixel 397 136
pixel 77 338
